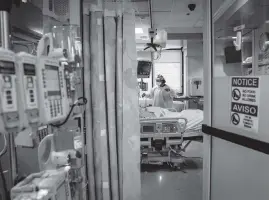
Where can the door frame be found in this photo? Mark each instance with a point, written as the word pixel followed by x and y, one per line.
pixel 207 77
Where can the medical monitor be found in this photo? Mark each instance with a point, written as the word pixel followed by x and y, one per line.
pixel 29 69
pixel 144 69
pixel 7 67
pixel 232 55
pixel 52 90
pixel 27 83
pixel 9 114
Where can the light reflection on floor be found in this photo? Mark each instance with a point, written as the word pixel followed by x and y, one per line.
pixel 160 182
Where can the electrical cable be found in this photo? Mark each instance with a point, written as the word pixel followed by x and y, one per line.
pixel 6 193
pixel 4 150
pixel 184 156
pixel 70 112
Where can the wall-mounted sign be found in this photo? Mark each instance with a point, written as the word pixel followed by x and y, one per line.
pixel 245 97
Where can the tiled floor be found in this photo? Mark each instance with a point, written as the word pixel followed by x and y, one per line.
pixel 161 183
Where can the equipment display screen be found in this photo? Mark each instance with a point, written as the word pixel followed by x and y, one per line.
pixel 148 129
pixel 29 69
pixel 143 69
pixel 52 80
pixel 7 67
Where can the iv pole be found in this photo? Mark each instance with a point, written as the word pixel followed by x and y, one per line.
pixel 151 53
pixel 5 8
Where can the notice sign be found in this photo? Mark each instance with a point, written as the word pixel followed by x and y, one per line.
pixel 245 98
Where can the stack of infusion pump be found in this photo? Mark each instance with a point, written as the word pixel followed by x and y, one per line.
pixel 33 91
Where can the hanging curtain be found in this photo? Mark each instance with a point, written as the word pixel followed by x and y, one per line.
pixel 112 116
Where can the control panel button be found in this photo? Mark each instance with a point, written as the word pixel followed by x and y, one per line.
pixel 9 102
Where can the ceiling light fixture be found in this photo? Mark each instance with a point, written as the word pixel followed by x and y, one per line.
pixel 139 31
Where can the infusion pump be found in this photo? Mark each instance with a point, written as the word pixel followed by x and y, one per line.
pixel 52 90
pixel 27 83
pixel 8 95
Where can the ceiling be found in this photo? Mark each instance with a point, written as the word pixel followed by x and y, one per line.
pixel 172 15
pixel 251 13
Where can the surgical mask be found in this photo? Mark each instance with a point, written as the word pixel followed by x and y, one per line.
pixel 158 83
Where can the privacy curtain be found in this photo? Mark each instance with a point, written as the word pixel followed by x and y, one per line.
pixel 112 119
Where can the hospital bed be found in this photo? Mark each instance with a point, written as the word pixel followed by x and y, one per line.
pixel 146 102
pixel 166 134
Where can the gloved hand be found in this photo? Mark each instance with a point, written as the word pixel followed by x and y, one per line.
pixel 143 95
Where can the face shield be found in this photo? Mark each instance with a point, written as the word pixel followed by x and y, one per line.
pixel 158 82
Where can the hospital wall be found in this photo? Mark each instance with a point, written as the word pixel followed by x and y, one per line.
pixel 194 61
pixel 237 172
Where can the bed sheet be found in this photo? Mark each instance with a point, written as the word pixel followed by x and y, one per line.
pixel 145 102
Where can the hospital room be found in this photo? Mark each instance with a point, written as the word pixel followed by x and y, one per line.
pixel 170 80
pixel 134 99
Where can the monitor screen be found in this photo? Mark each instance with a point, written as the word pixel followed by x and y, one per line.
pixel 143 69
pixel 148 129
pixel 53 81
pixel 232 55
pixel 7 67
pixel 29 69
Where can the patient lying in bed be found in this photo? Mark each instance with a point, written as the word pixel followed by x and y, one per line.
pixel 194 117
